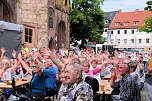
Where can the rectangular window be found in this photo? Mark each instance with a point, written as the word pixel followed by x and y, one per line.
pixel 111 32
pixel 125 31
pixel 112 41
pixel 118 31
pixel 28 35
pixel 105 30
pixel 116 23
pixel 132 40
pixel 125 23
pixel 147 40
pixel 118 41
pixel 132 31
pixel 136 22
pixel 139 40
pixel 125 41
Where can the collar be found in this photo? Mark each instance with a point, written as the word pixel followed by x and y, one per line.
pixel 125 78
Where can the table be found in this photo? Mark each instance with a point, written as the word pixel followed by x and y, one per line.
pixel 18 83
pixel 107 77
pixel 107 89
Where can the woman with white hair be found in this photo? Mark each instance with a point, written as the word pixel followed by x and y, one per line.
pixel 75 88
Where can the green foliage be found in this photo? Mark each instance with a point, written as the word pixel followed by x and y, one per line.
pixel 148 22
pixel 149 5
pixel 87 21
pixel 148 25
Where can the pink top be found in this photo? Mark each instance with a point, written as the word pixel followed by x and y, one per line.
pixel 93 72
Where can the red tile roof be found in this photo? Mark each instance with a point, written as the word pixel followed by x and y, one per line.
pixel 130 17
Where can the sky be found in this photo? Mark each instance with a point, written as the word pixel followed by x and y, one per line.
pixel 124 5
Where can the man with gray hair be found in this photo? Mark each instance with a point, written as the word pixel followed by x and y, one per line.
pixel 75 88
pixel 127 86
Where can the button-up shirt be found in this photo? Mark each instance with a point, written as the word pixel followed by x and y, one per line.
pixel 128 88
pixel 77 92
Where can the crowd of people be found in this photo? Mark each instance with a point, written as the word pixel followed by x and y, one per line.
pixel 65 71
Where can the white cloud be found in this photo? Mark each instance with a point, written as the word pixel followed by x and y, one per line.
pixel 125 5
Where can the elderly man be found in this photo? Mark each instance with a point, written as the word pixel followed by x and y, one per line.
pixel 127 86
pixel 75 88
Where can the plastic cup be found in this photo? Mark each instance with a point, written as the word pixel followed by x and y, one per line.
pixel 7 82
pixel 17 79
pixel 102 87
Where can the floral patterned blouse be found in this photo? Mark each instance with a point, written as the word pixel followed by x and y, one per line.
pixel 81 91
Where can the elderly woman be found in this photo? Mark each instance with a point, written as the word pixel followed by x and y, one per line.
pixel 75 88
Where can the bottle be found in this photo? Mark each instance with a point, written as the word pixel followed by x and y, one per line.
pixel 13 83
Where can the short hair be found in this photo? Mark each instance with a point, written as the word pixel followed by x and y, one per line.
pixel 86 63
pixel 7 61
pixel 132 64
pixel 123 61
pixel 77 67
pixel 77 60
pixel 94 60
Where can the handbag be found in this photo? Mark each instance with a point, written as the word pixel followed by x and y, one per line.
pixel 37 96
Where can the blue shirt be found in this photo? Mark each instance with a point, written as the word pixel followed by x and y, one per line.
pixel 37 84
pixel 50 77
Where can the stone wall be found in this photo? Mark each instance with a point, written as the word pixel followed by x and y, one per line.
pixel 34 13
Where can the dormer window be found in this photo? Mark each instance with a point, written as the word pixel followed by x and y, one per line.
pixel 106 21
pixel 116 23
pixel 136 22
pixel 125 23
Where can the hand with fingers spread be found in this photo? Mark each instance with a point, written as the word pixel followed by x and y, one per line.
pixel 49 53
pixel 3 50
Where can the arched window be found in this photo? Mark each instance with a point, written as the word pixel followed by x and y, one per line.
pixel 4 11
pixel 50 18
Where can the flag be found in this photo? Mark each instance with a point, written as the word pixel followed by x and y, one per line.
pixel 59 2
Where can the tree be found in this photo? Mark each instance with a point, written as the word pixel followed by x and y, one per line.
pixel 87 21
pixel 149 5
pixel 148 22
pixel 148 25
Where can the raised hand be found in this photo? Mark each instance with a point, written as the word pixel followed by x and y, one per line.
pixel 47 52
pixel 19 56
pixel 113 71
pixel 14 54
pixel 3 50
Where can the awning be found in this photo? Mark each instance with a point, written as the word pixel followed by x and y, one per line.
pixel 128 46
pixel 10 26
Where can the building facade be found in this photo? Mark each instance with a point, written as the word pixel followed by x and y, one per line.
pixel 46 22
pixel 124 30
pixel 109 16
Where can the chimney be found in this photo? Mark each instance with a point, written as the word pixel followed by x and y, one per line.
pixel 136 11
pixel 119 11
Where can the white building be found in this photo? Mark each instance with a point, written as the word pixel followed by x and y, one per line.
pixel 124 30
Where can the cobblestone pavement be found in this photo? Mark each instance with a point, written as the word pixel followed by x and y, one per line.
pixel 144 94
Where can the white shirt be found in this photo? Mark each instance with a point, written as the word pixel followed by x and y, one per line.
pixel 7 74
